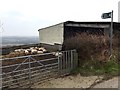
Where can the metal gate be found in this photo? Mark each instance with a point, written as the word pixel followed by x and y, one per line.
pixel 24 71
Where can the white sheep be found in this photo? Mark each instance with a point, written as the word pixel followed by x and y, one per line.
pixel 40 49
pixel 35 47
pixel 31 48
pixel 19 50
pixel 16 50
pixel 39 52
pixel 57 54
pixel 33 51
pixel 44 50
pixel 26 52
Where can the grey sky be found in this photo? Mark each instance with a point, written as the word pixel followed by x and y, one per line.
pixel 119 11
pixel 25 17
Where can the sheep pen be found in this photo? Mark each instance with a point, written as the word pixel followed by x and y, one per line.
pixel 15 65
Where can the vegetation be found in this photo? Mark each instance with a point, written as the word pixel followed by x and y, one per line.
pixel 93 53
pixel 96 68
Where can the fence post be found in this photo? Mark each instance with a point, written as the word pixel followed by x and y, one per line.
pixel 75 59
pixel 58 63
pixel 71 59
pixel 29 74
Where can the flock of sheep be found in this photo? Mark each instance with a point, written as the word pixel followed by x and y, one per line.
pixel 29 51
pixel 32 50
pixel 24 52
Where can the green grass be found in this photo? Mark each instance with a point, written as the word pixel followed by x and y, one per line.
pixel 96 68
pixel 112 68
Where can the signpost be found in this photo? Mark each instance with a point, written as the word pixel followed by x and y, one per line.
pixel 105 16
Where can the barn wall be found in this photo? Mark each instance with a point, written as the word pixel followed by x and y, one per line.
pixel 71 31
pixel 52 34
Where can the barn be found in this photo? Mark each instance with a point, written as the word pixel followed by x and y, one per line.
pixel 57 34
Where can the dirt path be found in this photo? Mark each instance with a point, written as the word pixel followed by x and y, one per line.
pixel 78 81
pixel 112 83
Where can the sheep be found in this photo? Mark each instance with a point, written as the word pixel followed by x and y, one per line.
pixel 33 51
pixel 1 56
pixel 14 54
pixel 53 53
pixel 26 52
pixel 39 52
pixel 19 50
pixel 31 48
pixel 35 47
pixel 57 54
pixel 16 50
pixel 42 49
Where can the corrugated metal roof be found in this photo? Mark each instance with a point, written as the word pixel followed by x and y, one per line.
pixel 85 24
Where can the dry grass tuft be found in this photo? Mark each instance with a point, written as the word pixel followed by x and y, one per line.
pixel 90 47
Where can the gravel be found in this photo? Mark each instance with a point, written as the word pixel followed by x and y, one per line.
pixel 78 81
pixel 112 83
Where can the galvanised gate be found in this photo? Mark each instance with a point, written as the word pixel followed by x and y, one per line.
pixel 24 71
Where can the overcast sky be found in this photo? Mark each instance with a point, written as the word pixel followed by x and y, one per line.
pixel 25 17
